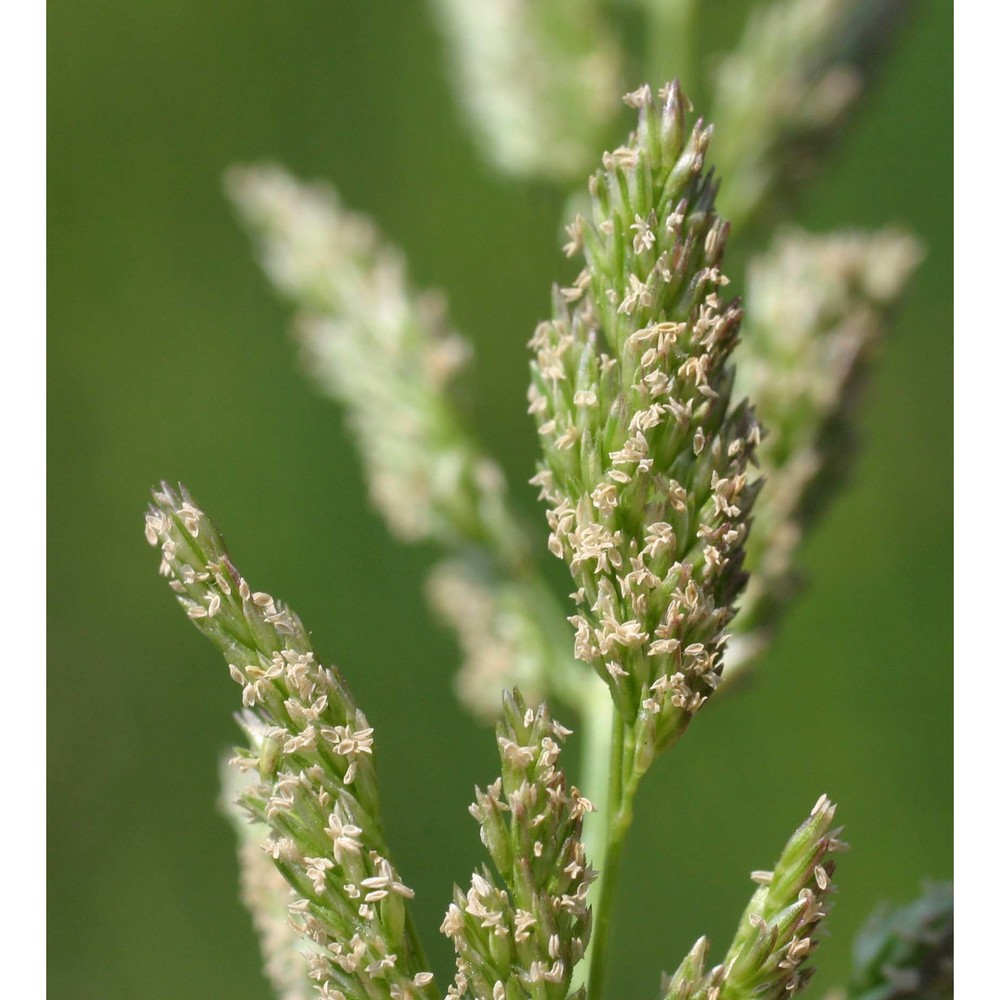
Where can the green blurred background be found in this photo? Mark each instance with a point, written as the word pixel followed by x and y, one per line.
pixel 168 359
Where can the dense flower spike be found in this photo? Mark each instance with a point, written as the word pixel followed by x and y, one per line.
pixel 645 461
pixel 537 81
pixel 310 767
pixel 907 953
pixel 817 306
pixel 522 926
pixel 785 87
pixel 777 931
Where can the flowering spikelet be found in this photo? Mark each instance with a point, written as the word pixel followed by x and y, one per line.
pixel 521 928
pixel 777 931
pixel 383 351
pixel 310 767
pixel 691 981
pixel 817 308
pixel 537 80
pixel 645 461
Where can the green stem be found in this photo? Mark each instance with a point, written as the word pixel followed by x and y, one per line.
pixel 598 724
pixel 672 44
pixel 608 753
pixel 598 718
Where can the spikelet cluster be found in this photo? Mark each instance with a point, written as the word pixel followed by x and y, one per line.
pixel 777 931
pixel 817 308
pixel 383 351
pixel 309 768
pixel 646 461
pixel 521 927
